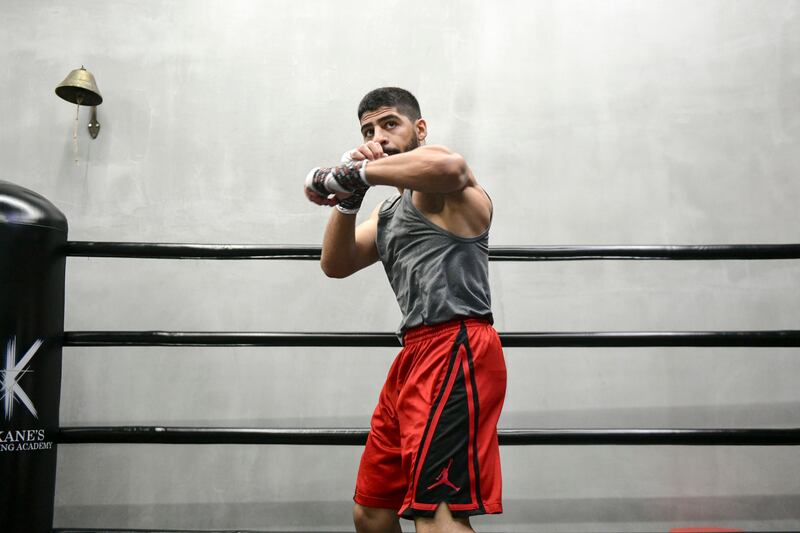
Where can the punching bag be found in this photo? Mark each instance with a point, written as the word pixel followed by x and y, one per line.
pixel 33 235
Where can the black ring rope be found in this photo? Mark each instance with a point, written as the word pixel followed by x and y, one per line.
pixel 358 436
pixel 775 339
pixel 146 250
pixel 350 436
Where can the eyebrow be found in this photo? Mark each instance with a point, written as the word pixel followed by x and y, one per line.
pixel 382 119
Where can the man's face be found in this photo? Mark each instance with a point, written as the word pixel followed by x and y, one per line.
pixel 392 130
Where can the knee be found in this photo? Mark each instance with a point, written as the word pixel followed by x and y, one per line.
pixel 443 522
pixel 372 520
pixel 360 518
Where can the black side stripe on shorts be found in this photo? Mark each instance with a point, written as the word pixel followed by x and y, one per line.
pixel 476 415
pixel 444 470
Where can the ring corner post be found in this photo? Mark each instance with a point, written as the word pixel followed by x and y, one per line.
pixel 33 236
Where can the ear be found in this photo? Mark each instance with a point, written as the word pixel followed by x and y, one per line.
pixel 421 129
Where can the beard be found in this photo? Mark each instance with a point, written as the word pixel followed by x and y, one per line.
pixel 413 143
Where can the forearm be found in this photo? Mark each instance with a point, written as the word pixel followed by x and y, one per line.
pixel 339 245
pixel 430 169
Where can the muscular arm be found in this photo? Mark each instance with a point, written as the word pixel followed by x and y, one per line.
pixel 448 194
pixel 427 169
pixel 446 191
pixel 346 249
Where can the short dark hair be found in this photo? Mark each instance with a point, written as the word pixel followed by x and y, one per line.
pixel 395 97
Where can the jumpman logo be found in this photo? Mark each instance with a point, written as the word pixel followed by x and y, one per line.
pixel 444 478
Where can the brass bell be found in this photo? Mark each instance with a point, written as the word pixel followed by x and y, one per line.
pixel 80 88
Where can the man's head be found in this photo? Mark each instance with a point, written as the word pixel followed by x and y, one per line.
pixel 391 117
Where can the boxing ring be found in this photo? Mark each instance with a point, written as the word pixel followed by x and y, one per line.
pixel 357 436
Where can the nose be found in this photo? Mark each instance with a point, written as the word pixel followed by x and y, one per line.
pixel 379 136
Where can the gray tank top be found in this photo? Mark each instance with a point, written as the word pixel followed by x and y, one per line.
pixel 437 276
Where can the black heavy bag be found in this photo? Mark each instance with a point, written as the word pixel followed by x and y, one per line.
pixel 33 236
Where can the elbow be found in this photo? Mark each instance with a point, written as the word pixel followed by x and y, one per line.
pixel 331 270
pixel 328 269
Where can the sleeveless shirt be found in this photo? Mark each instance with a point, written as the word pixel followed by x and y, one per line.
pixel 436 275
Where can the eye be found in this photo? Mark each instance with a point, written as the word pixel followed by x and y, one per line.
pixel 391 124
pixel 368 134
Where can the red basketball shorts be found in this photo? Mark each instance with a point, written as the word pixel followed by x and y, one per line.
pixel 433 435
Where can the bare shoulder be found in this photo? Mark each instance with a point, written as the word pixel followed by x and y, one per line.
pixel 466 212
pixel 473 205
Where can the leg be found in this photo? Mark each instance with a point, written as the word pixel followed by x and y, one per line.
pixel 381 482
pixel 442 522
pixel 375 520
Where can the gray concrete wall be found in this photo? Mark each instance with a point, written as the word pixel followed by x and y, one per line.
pixel 621 122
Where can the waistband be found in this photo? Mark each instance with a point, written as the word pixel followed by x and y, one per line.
pixel 423 332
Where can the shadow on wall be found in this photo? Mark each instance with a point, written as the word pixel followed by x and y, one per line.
pixel 274 516
pixel 700 509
